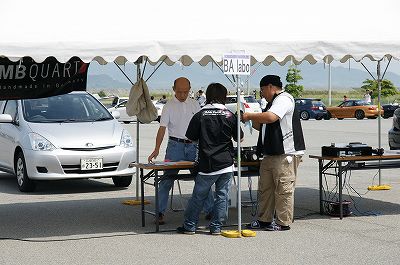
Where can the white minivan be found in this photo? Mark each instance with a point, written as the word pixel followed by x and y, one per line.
pixel 71 136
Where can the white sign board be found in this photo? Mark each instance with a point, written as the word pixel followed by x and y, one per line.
pixel 236 64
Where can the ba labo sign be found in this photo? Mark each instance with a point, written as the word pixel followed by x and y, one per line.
pixel 236 64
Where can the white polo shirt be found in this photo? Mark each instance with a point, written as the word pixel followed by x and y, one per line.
pixel 176 116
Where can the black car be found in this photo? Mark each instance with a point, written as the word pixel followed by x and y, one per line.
pixel 389 109
pixel 312 108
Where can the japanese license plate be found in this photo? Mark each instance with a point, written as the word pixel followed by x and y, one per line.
pixel 91 163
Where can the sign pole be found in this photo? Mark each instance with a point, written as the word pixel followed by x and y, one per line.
pixel 239 201
pixel 235 64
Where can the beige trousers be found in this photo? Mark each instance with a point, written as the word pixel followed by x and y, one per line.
pixel 276 188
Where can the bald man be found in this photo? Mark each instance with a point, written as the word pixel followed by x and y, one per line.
pixel 176 116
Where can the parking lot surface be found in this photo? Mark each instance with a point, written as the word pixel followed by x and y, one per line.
pixel 85 222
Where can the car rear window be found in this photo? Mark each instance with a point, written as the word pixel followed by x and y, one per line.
pixel 318 103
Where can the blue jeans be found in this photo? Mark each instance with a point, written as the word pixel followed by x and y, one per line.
pixel 199 196
pixel 177 151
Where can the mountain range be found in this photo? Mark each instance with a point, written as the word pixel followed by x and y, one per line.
pixel 314 76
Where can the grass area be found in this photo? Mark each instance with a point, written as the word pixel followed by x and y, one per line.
pixel 337 95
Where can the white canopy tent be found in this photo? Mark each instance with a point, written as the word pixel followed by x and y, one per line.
pixel 120 31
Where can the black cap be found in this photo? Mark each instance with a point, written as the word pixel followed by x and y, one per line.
pixel 271 79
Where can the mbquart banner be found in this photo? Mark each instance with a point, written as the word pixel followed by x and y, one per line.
pixel 27 79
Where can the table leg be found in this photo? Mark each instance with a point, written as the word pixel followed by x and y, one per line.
pixel 156 181
pixel 142 197
pixel 340 190
pixel 321 205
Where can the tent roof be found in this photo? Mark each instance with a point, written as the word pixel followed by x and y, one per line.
pixel 203 31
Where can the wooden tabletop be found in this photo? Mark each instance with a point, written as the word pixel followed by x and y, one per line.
pixel 180 165
pixel 357 158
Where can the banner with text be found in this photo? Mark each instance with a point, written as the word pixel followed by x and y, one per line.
pixel 236 64
pixel 27 79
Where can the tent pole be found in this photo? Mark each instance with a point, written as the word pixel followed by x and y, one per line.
pixel 329 85
pixel 239 202
pixel 378 72
pixel 138 75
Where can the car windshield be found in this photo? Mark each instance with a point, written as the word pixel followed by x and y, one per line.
pixel 73 107
pixel 361 103
pixel 250 99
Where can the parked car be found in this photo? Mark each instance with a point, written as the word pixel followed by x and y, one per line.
pixel 358 109
pixel 389 109
pixel 125 118
pixel 312 108
pixel 251 106
pixel 70 136
pixel 118 100
pixel 121 108
pixel 253 103
pixel 394 132
pixel 159 106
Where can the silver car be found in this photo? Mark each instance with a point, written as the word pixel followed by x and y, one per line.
pixel 70 136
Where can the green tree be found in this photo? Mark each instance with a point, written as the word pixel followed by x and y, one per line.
pixel 387 87
pixel 292 77
pixel 102 94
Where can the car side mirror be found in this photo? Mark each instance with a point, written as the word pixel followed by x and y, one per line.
pixel 6 118
pixel 116 114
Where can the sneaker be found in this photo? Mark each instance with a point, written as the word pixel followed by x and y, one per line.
pixel 257 224
pixel 208 216
pixel 183 230
pixel 161 220
pixel 277 227
pixel 215 232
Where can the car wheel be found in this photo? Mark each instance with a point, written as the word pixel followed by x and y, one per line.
pixel 304 115
pixel 359 115
pixel 23 181
pixel 120 181
pixel 340 118
pixel 328 116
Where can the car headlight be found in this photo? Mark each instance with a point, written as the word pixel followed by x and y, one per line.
pixel 39 143
pixel 126 139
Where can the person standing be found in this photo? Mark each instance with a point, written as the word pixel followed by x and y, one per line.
pixel 175 116
pixel 263 102
pixel 201 98
pixel 367 97
pixel 213 127
pixel 281 143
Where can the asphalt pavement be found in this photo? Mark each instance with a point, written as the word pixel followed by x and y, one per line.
pixel 85 222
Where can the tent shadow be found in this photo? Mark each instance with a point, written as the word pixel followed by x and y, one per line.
pixel 73 219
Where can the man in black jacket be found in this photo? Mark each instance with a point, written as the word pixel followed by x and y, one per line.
pixel 213 128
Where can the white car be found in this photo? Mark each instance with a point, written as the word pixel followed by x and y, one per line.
pixel 125 118
pixel 249 103
pixel 159 106
pixel 70 136
pixel 121 108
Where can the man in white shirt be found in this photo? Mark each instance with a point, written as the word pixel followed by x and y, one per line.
pixel 176 115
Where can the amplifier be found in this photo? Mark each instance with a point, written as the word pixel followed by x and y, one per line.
pixel 247 154
pixel 352 149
